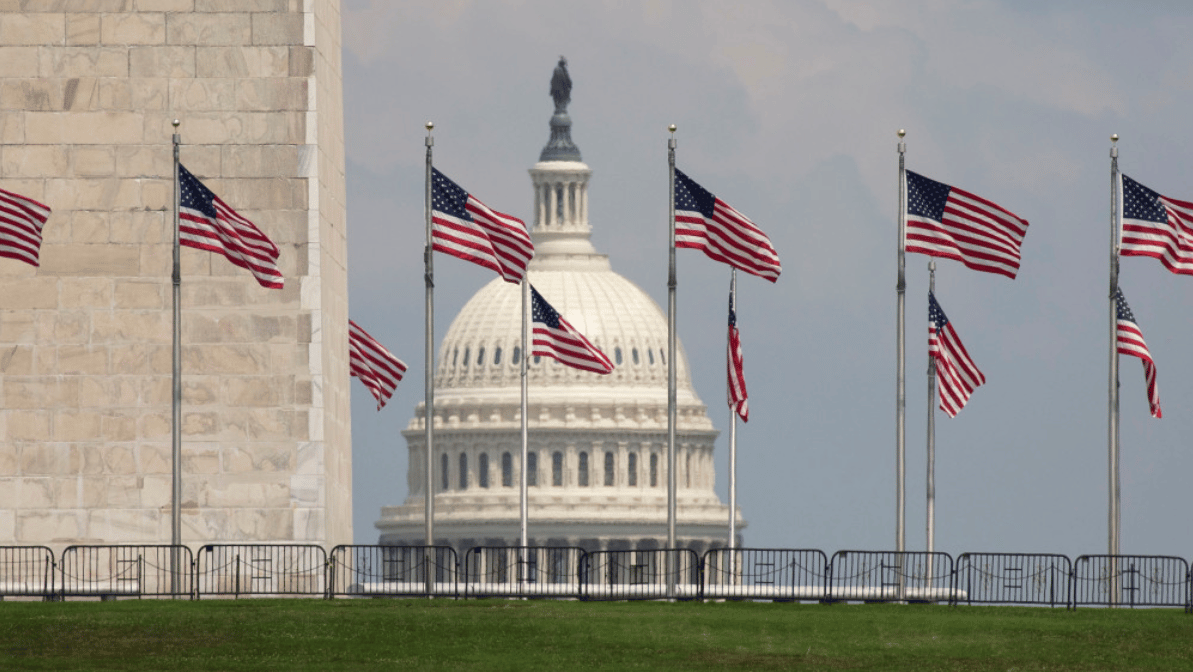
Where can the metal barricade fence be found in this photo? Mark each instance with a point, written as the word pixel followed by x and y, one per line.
pixel 765 574
pixel 516 571
pixel 109 572
pixel 1131 581
pixel 891 576
pixel 26 571
pixel 1013 578
pixel 261 570
pixel 642 575
pixel 392 571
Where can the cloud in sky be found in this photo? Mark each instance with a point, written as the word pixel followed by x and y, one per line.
pixel 788 111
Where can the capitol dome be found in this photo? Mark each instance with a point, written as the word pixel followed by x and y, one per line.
pixel 597 443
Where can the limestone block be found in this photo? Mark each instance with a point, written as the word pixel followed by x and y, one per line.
pixel 26 293
pixel 140 93
pixel 108 391
pixel 39 526
pixel 129 326
pixel 307 490
pixel 96 161
pixel 215 128
pixel 200 159
pixel 91 360
pixel 140 227
pixel 28 425
pixel 36 160
pixel 82 29
pixel 274 93
pixel 199 458
pixel 302 61
pixel 40 392
pixel 93 194
pixel 166 5
pixel 111 458
pixel 106 259
pixel 155 458
pixel 140 359
pixel 45 360
pixel 309 525
pixel 12 127
pixel 199 263
pixel 121 492
pixel 258 457
pixel 263 424
pixel 76 5
pixel 16 360
pixel 199 390
pixel 242 61
pixel 260 524
pixel 157 194
pixel 70 327
pixel 85 293
pixel 242 5
pixel 156 491
pixel 31 27
pixel 196 424
pixel 126 525
pixel 203 94
pixel 278 28
pixel 83 128
pixel 250 492
pixel 142 294
pixel 169 61
pixel 259 161
pixel 240 359
pixel 133 28
pixel 215 29
pixel 209 294
pixel 83 62
pixel 256 391
pixel 74 425
pixel 31 94
pixel 302 391
pixel 18 61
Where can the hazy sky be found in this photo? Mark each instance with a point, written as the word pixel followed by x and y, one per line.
pixel 789 111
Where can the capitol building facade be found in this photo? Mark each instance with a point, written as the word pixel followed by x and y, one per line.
pixel 597 460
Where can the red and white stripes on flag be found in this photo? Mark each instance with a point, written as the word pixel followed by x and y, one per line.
pixel 1130 342
pixel 376 366
pixel 948 222
pixel 464 227
pixel 554 337
pixel 21 221
pixel 207 223
pixel 1156 226
pixel 705 222
pixel 736 378
pixel 957 373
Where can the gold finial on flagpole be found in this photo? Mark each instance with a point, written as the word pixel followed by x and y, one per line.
pixel 671 128
pixel 902 133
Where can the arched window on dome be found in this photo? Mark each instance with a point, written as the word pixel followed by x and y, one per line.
pixel 507 468
pixel 608 468
pixel 443 476
pixel 634 355
pixel 654 470
pixel 467 356
pixel 517 358
pixel 482 470
pixel 663 357
pixel 583 476
pixel 688 472
pixel 455 356
pixel 497 356
pixel 480 356
pixel 463 471
pixel 617 355
pixel 650 356
pixel 557 468
pixel 532 468
pixel 632 469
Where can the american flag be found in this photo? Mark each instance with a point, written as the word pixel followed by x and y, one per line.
pixel 1130 342
pixel 705 222
pixel 737 380
pixel 21 220
pixel 1157 226
pixel 207 223
pixel 554 337
pixel 464 227
pixel 376 366
pixel 944 221
pixel 957 373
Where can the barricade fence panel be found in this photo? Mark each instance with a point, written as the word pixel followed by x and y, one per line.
pixel 1131 581
pixel 1013 578
pixel 261 570
pixel 523 571
pixel 891 576
pixel 765 574
pixel 27 571
pixel 127 571
pixel 393 571
pixel 642 575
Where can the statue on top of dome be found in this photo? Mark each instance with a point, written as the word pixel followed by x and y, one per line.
pixel 561 86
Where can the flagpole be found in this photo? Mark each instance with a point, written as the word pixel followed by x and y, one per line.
pixel 1113 428
pixel 524 485
pixel 176 393
pixel 931 428
pixel 671 365
pixel 900 392
pixel 732 449
pixel 429 377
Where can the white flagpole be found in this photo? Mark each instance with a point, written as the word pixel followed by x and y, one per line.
pixel 176 395
pixel 671 366
pixel 524 486
pixel 1113 412
pixel 732 452
pixel 932 426
pixel 900 391
pixel 429 379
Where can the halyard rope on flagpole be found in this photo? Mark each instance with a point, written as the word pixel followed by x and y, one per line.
pixel 1112 429
pixel 671 367
pixel 176 372
pixel 931 512
pixel 900 388
pixel 429 377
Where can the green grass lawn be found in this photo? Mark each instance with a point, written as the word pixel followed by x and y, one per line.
pixel 549 635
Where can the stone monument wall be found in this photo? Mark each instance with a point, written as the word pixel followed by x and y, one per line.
pixel 88 90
